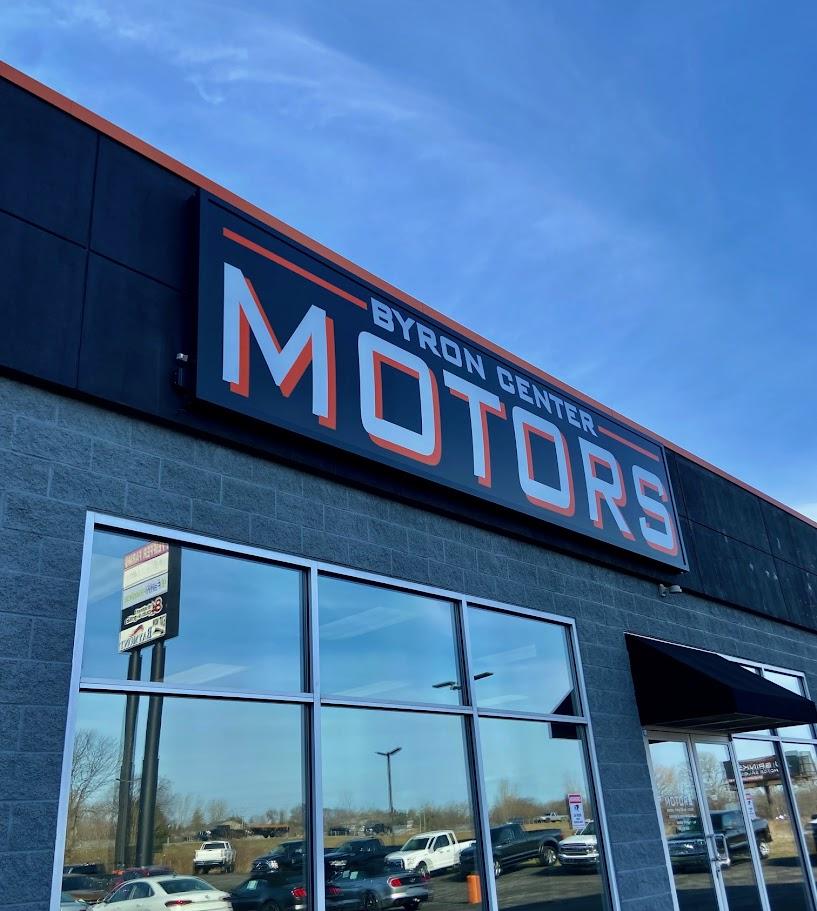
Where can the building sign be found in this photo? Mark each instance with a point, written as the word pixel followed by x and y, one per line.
pixel 289 340
pixel 575 806
pixel 151 577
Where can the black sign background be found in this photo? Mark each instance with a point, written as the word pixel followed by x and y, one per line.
pixel 286 296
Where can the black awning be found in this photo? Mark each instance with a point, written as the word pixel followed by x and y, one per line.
pixel 680 687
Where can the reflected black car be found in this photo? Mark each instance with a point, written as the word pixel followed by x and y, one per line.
pixel 88 888
pixel 288 893
pixel 366 854
pixel 94 869
pixel 289 854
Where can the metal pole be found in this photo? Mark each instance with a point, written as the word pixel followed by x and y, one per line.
pixel 391 802
pixel 120 853
pixel 150 763
pixel 388 756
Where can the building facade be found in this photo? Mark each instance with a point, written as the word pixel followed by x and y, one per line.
pixel 346 650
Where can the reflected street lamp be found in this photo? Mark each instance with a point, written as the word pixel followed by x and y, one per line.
pixel 388 756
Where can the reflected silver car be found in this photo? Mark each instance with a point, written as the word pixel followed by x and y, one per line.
pixel 357 889
pixel 69 903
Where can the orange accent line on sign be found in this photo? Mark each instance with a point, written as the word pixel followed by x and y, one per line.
pixel 615 436
pixel 304 273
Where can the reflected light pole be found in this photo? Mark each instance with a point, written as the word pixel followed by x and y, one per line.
pixel 388 756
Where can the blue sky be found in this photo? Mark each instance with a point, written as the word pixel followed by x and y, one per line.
pixel 622 193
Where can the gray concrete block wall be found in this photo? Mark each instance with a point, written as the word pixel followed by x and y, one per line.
pixel 60 457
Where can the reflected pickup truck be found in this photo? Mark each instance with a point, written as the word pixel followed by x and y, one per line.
pixel 688 849
pixel 511 845
pixel 428 852
pixel 214 854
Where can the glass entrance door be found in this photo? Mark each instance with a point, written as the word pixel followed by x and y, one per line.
pixel 737 850
pixel 704 825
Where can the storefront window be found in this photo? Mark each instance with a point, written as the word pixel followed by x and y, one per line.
pixel 544 826
pixel 207 742
pixel 381 643
pixel 230 623
pixel 186 785
pixel 520 664
pixel 771 818
pixel 682 824
pixel 801 762
pixel 793 685
pixel 397 808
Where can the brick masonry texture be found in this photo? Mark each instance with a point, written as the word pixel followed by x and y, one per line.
pixel 61 457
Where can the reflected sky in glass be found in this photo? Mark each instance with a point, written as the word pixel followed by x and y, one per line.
pixel 383 644
pixel 239 621
pixel 532 759
pixel 793 685
pixel 429 769
pixel 527 661
pixel 246 756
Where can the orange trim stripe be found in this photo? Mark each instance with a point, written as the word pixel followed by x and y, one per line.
pixel 309 276
pixel 615 436
pixel 72 108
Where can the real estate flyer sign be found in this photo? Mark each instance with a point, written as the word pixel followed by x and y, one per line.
pixel 575 805
pixel 151 581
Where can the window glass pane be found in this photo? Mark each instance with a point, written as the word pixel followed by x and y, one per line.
pixel 239 621
pixel 383 644
pixel 542 814
pixel 801 761
pixel 793 685
pixel 520 664
pixel 769 809
pixel 729 827
pixel 383 784
pixel 683 826
pixel 226 771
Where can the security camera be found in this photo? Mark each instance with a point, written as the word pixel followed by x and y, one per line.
pixel 665 590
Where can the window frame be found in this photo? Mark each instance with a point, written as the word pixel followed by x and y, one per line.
pixel 312 699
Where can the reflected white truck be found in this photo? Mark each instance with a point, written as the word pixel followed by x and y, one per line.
pixel 428 852
pixel 214 854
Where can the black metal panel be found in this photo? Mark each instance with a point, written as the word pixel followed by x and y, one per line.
pixel 790 538
pixel 799 590
pixel 42 301
pixel 721 505
pixel 47 164
pixel 144 216
pixel 675 481
pixel 131 334
pixel 732 571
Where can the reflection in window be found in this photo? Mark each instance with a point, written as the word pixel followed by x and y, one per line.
pixel 769 810
pixel 682 826
pixel 541 811
pixel 383 644
pixel 520 664
pixel 801 761
pixel 219 770
pixel 391 781
pixel 793 685
pixel 239 621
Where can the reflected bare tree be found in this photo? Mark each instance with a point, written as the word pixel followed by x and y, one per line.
pixel 94 768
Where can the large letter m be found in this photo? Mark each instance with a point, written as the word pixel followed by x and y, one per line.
pixel 312 342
